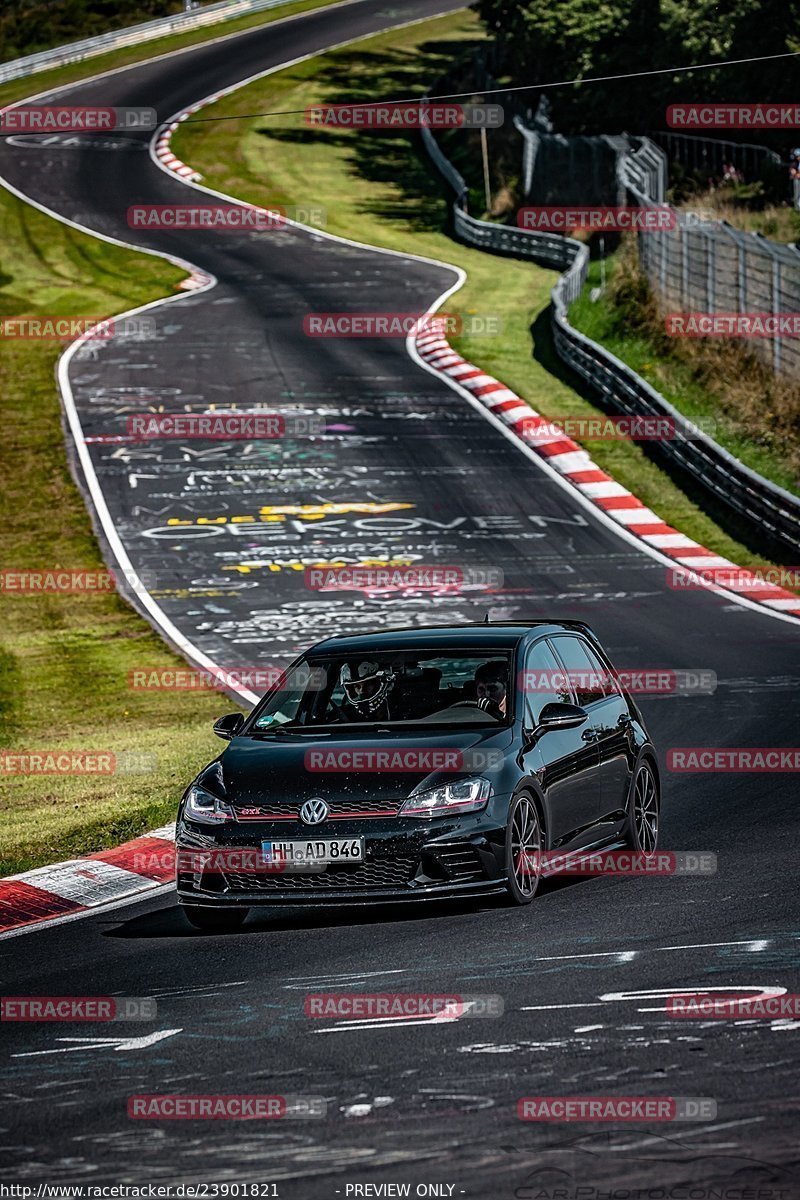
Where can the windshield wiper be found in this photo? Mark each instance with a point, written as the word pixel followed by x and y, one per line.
pixel 287 728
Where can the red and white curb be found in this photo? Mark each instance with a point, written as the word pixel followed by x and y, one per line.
pixel 80 884
pixel 577 468
pixel 163 150
pixel 163 153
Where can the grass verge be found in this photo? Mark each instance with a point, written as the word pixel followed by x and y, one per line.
pixel 64 660
pixel 755 415
pixel 380 188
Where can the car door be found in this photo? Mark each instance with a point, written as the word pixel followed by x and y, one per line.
pixel 564 762
pixel 599 693
pixel 612 720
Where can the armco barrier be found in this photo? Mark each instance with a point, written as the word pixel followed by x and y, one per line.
pixel 767 509
pixel 61 56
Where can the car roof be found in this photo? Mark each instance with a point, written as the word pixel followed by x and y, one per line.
pixel 494 635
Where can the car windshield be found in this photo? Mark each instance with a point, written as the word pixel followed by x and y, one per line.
pixel 450 688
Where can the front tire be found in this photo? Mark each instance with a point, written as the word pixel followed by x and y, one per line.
pixel 523 849
pixel 215 920
pixel 641 832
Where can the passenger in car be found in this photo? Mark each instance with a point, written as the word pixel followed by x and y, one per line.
pixel 491 687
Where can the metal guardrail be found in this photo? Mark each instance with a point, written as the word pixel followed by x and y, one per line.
pixel 73 52
pixel 764 506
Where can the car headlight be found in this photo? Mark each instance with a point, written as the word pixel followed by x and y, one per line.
pixel 202 806
pixel 468 795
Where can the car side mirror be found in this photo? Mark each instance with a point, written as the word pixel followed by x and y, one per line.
pixel 561 716
pixel 228 726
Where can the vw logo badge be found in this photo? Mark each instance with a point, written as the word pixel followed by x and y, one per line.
pixel 314 811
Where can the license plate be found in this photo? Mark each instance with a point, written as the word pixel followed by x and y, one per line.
pixel 310 853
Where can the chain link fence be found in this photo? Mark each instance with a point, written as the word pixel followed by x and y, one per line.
pixel 704 266
pixel 709 156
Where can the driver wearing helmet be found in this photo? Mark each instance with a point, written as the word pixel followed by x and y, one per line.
pixel 366 690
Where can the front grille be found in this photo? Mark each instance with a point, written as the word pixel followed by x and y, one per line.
pixel 462 863
pixel 341 810
pixel 393 872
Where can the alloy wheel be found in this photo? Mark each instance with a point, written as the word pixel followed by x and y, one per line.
pixel 645 810
pixel 526 845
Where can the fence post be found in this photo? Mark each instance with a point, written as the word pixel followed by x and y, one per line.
pixel 662 237
pixel 776 301
pixel 683 233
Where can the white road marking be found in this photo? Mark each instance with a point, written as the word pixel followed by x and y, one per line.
pixel 759 991
pixel 620 955
pixel 753 945
pixel 445 1017
pixel 93 1043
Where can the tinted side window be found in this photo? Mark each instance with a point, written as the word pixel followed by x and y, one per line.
pixel 543 682
pixel 610 685
pixel 586 676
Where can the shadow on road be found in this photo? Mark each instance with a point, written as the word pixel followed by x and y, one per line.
pixel 170 922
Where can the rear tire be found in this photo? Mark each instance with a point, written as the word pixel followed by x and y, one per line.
pixel 215 920
pixel 523 847
pixel 644 811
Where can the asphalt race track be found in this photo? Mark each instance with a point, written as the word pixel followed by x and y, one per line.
pixel 408 1102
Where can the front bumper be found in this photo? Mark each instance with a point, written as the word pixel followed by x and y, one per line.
pixel 404 859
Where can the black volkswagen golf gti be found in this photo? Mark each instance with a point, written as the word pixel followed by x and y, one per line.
pixel 418 764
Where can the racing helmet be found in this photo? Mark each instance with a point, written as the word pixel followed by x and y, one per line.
pixel 366 685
